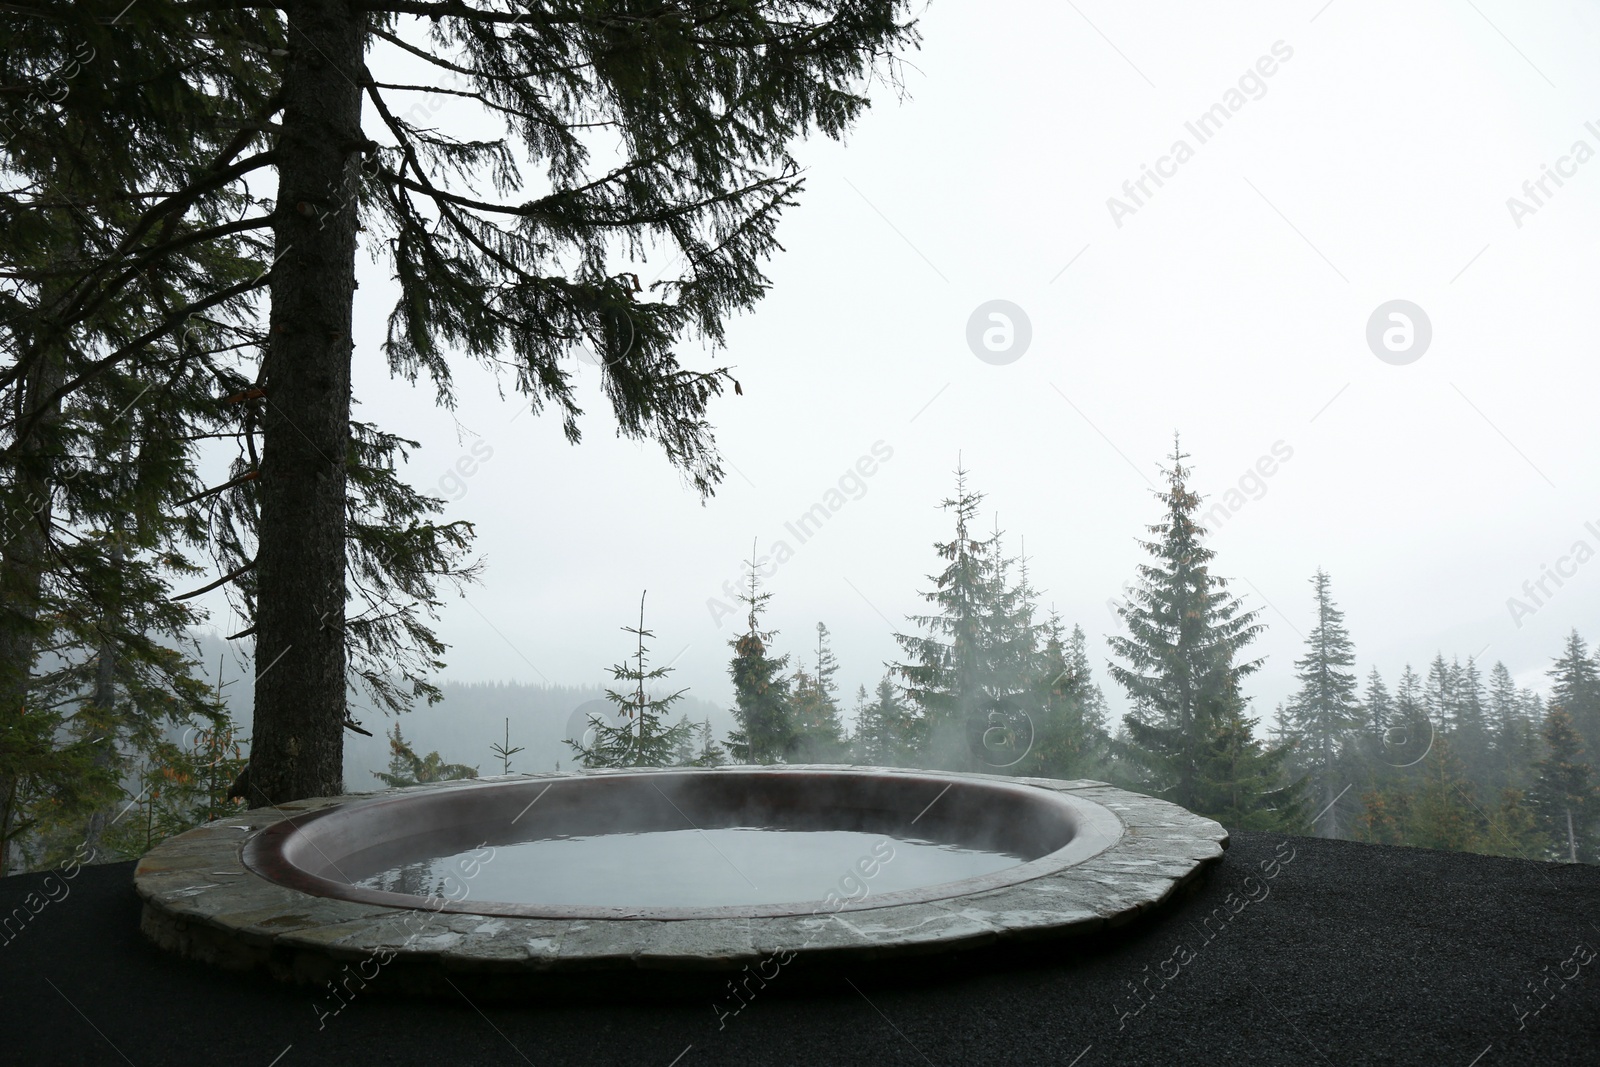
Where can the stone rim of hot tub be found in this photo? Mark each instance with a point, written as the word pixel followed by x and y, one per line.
pixel 202 901
pixel 1091 829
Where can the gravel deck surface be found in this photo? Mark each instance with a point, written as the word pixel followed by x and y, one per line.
pixel 1293 951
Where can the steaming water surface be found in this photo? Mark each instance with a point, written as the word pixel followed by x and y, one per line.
pixel 693 868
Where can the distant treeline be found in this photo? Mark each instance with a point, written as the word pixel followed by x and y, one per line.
pixel 984 683
pixel 1456 758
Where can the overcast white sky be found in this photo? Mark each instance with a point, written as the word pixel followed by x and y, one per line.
pixel 1374 164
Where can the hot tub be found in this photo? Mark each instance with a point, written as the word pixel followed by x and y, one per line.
pixel 539 878
pixel 685 844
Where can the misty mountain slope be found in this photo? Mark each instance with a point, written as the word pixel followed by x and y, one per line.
pixel 463 725
pixel 472 717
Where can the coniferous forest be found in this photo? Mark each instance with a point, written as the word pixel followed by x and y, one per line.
pixel 990 682
pixel 183 194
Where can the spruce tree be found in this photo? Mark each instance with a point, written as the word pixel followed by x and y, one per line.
pixel 1376 705
pixel 140 258
pixel 1512 828
pixel 1083 685
pixel 819 733
pixel 696 746
pixel 1409 737
pixel 883 734
pixel 503 750
pixel 1013 699
pixel 1510 736
pixel 406 768
pixel 1565 799
pixel 1244 784
pixel 1324 712
pixel 709 753
pixel 865 744
pixel 1470 729
pixel 1575 688
pixel 1439 693
pixel 1383 815
pixel 763 711
pixel 950 675
pixel 1443 809
pixel 114 137
pixel 1070 740
pixel 641 737
pixel 1181 658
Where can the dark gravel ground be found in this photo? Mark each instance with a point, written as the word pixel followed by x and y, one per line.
pixel 1344 954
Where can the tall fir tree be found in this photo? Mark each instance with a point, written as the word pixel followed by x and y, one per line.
pixel 1324 712
pixel 1439 693
pixel 763 706
pixel 863 744
pixel 950 673
pixel 119 196
pixel 1087 690
pixel 1181 658
pixel 696 746
pixel 1511 735
pixel 1443 809
pixel 708 753
pixel 1070 741
pixel 1408 738
pixel 1376 704
pixel 1383 814
pixel 1565 798
pixel 1244 784
pixel 1012 701
pixel 641 737
pixel 884 733
pixel 1575 688
pixel 1469 729
pixel 818 729
pixel 1511 829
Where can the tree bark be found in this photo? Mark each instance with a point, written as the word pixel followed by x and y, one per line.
pixel 297 744
pixel 105 704
pixel 22 565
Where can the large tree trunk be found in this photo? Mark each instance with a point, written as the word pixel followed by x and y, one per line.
pixel 106 756
pixel 297 747
pixel 23 562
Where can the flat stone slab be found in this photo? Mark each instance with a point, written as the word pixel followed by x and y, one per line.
pixel 201 900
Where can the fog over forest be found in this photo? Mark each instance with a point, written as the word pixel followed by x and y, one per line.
pixel 1350 273
pixel 1231 303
